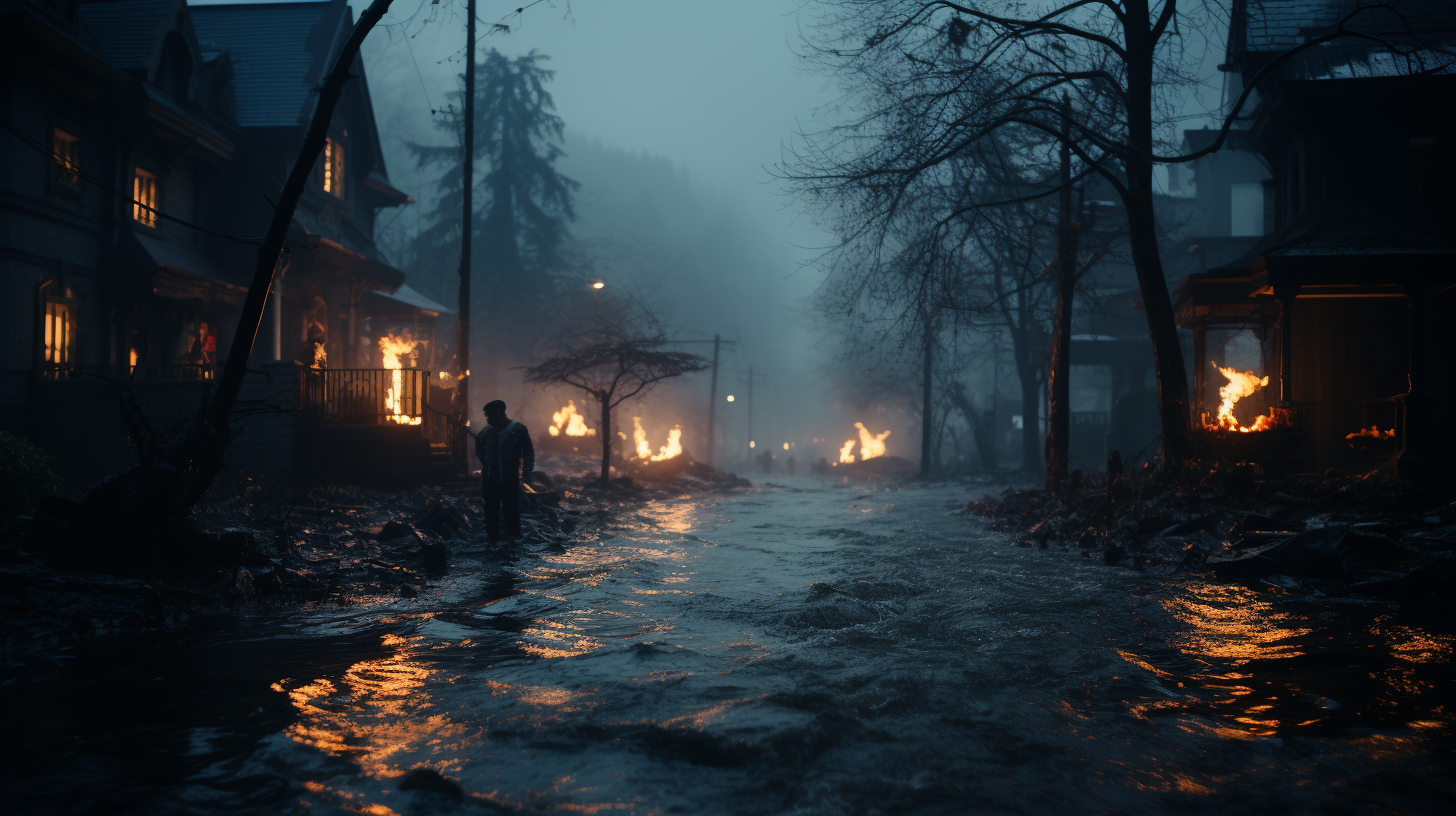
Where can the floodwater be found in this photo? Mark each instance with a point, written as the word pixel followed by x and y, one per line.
pixel 810 648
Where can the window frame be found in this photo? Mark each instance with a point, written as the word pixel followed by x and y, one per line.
pixel 66 158
pixel 335 168
pixel 56 300
pixel 148 213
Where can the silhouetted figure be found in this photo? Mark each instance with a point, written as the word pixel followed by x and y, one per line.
pixel 506 455
pixel 792 466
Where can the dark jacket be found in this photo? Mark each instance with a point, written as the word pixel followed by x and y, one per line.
pixel 506 453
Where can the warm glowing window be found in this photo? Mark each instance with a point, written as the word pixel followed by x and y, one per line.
pixel 144 198
pixel 334 168
pixel 67 151
pixel 59 340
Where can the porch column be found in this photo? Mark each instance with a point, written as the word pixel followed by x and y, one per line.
pixel 353 353
pixel 1200 363
pixel 275 305
pixel 1418 460
pixel 1286 294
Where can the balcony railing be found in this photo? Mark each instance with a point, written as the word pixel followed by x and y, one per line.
pixel 366 395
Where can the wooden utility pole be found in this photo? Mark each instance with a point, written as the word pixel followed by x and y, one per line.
pixel 462 340
pixel 925 413
pixel 713 400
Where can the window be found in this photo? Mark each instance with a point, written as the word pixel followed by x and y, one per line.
pixel 144 198
pixel 58 338
pixel 1246 209
pixel 67 152
pixel 334 168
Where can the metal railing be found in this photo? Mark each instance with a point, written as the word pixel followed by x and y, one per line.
pixel 366 394
pixel 139 373
pixel 1091 418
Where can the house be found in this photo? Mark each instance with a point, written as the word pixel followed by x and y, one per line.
pixel 1346 303
pixel 143 141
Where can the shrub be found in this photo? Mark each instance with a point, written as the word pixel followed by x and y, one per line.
pixel 25 475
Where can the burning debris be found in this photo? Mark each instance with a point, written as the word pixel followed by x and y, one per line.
pixel 393 347
pixel 569 422
pixel 1240 384
pixel 871 445
pixel 644 450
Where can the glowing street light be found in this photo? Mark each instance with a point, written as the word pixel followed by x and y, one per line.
pixel 751 443
pixel 599 285
pixel 730 397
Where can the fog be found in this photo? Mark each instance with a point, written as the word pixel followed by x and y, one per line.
pixel 675 115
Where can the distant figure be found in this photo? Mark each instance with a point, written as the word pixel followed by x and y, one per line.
pixel 506 456
pixel 791 466
pixel 765 462
pixel 208 343
pixel 820 468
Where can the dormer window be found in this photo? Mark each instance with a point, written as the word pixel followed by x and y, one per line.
pixel 144 198
pixel 334 168
pixel 66 149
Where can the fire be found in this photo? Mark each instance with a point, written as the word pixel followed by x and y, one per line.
pixel 392 347
pixel 1373 432
pixel 644 450
pixel 567 419
pixel 870 445
pixel 1240 384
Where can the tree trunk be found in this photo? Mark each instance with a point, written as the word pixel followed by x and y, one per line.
pixel 606 438
pixel 1143 239
pixel 1059 368
pixel 926 415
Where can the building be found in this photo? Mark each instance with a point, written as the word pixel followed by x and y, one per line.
pixel 144 139
pixel 1346 299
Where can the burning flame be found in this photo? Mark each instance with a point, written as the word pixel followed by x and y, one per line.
pixel 393 347
pixel 320 356
pixel 870 445
pixel 1240 384
pixel 569 420
pixel 1372 432
pixel 644 450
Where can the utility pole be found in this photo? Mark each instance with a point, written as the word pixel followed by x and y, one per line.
pixel 717 342
pixel 926 415
pixel 462 342
pixel 713 400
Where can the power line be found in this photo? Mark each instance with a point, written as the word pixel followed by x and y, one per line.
pixel 33 144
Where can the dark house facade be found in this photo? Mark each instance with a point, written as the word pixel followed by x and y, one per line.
pixel 1345 303
pixel 144 139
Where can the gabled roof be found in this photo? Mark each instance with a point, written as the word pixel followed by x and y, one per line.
pixel 279 51
pixel 126 30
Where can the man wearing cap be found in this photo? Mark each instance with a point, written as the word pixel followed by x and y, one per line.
pixel 506 455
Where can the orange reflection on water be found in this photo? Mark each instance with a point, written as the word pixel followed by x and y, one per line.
pixel 377 714
pixel 1232 622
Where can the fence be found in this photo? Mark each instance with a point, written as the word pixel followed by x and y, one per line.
pixel 123 373
pixel 366 395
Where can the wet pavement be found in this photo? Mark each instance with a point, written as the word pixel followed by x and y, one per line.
pixel 807 648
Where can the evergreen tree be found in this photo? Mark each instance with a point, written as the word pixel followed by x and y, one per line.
pixel 525 204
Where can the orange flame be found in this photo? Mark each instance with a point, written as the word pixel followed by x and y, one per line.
pixel 644 450
pixel 1240 384
pixel 393 347
pixel 1373 432
pixel 870 445
pixel 567 419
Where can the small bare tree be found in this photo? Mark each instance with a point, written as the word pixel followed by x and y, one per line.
pixel 611 348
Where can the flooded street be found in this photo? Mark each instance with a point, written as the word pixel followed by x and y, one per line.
pixel 809 648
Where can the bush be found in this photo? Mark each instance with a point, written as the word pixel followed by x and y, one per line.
pixel 25 475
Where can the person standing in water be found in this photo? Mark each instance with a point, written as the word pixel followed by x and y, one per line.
pixel 506 456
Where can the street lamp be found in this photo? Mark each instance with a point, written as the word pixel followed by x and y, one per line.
pixel 730 397
pixel 599 285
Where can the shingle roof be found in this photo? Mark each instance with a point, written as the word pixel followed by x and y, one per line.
pixel 126 30
pixel 279 52
pixel 1274 25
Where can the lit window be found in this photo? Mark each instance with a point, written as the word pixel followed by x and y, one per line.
pixel 59 339
pixel 334 168
pixel 67 151
pixel 144 198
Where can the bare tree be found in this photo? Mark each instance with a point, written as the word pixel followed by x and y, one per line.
pixel 611 348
